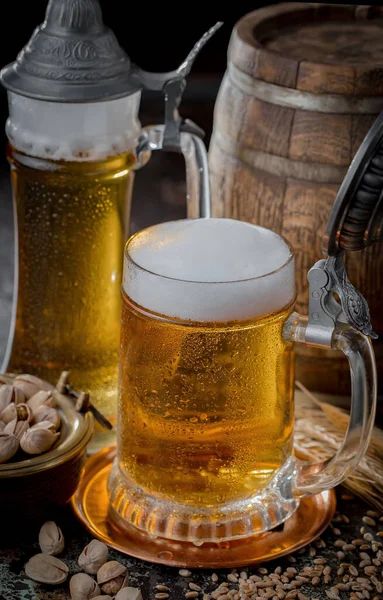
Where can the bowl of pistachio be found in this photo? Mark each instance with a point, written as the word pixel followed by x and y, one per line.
pixel 43 444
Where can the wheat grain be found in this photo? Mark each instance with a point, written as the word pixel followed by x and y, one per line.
pixel 319 432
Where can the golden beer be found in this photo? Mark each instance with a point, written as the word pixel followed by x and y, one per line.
pixel 206 409
pixel 72 226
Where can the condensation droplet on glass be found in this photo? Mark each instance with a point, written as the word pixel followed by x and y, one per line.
pixel 194 420
pixel 223 545
pixel 203 416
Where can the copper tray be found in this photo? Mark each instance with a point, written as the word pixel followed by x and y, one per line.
pixel 90 504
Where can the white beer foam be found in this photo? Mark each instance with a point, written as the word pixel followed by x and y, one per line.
pixel 73 131
pixel 209 270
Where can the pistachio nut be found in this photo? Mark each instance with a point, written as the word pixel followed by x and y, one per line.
pixel 46 569
pixel 83 587
pixel 18 428
pixel 9 445
pixel 112 576
pixel 24 413
pixel 21 412
pixel 8 394
pixel 30 385
pixel 51 538
pixel 45 413
pixel 2 425
pixel 37 440
pixel 128 593
pixel 94 555
pixel 42 398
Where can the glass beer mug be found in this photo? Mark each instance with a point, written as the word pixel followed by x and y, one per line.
pixel 206 409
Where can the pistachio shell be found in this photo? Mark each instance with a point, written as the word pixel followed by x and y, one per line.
pixel 37 440
pixel 30 384
pixel 102 597
pixel 51 538
pixel 11 426
pixel 21 428
pixel 46 569
pixel 83 587
pixel 94 555
pixel 8 394
pixel 18 428
pixel 18 396
pixel 9 444
pixel 110 570
pixel 6 379
pixel 2 425
pixel 42 398
pixel 45 425
pixel 128 593
pixel 45 413
pixel 20 411
pixel 9 413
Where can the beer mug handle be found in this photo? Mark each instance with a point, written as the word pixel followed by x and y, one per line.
pixel 312 478
pixel 178 134
pixel 194 152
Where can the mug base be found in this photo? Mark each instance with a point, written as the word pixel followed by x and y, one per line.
pixel 161 517
pixel 90 504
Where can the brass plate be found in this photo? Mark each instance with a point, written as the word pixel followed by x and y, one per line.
pixel 90 504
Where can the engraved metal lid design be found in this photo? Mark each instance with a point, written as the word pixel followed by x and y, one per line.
pixel 72 57
pixel 356 219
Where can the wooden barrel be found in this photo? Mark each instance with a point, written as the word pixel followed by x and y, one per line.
pixel 304 83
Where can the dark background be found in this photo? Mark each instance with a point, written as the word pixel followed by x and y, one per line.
pixel 156 36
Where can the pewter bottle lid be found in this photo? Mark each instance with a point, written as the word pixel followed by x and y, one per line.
pixel 72 57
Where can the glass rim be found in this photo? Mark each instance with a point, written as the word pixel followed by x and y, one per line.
pixel 132 238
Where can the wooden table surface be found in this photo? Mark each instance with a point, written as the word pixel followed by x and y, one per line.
pixel 19 545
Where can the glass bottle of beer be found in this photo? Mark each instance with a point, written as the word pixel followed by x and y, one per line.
pixel 72 130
